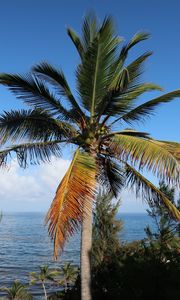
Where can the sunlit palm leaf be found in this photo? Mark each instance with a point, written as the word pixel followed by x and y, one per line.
pixel 144 153
pixel 31 153
pixel 145 188
pixel 32 125
pixel 172 147
pixel 76 189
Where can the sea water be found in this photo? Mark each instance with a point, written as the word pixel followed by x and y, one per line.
pixel 25 245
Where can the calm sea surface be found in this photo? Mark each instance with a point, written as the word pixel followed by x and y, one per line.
pixel 25 245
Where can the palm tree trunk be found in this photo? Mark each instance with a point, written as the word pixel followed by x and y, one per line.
pixel 45 294
pixel 86 243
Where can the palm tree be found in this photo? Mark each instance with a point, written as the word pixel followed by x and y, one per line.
pixel 45 275
pixel 69 275
pixel 95 122
pixel 18 291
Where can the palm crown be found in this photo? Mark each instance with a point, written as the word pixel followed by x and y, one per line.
pixel 107 89
pixel 18 291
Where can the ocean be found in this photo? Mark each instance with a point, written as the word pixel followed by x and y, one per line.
pixel 25 245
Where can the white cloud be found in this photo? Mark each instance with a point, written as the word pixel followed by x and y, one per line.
pixel 33 189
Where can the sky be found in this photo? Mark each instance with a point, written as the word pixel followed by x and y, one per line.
pixel 34 31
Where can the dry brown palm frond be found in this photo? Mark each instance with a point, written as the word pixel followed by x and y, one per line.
pixel 76 190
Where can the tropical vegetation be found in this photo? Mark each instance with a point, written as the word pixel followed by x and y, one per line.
pixel 18 291
pixel 69 274
pixel 99 122
pixel 106 229
pixel 145 269
pixel 44 276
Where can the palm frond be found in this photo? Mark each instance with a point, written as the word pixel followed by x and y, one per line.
pixel 137 38
pixel 131 132
pixel 119 63
pixel 89 30
pixel 58 80
pixel 76 189
pixel 111 175
pixel 76 41
pixel 146 153
pixel 93 75
pixel 31 153
pixel 142 111
pixel 133 70
pixel 34 93
pixel 136 67
pixel 172 147
pixel 145 188
pixel 32 125
pixel 118 103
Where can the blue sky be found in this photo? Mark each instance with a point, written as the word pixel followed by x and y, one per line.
pixel 32 31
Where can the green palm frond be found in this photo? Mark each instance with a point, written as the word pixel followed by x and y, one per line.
pixel 31 153
pixel 119 63
pixel 146 153
pixel 137 38
pixel 44 275
pixel 89 30
pixel 78 184
pixel 133 70
pixel 33 125
pixel 34 92
pixel 76 41
pixel 120 103
pixel 136 68
pixel 18 291
pixel 142 111
pixel 58 80
pixel 131 132
pixel 148 191
pixel 111 175
pixel 93 74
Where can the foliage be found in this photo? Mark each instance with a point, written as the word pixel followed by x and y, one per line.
pixel 134 273
pixel 138 270
pixel 45 275
pixel 165 237
pixel 69 275
pixel 108 88
pixel 106 229
pixel 18 291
